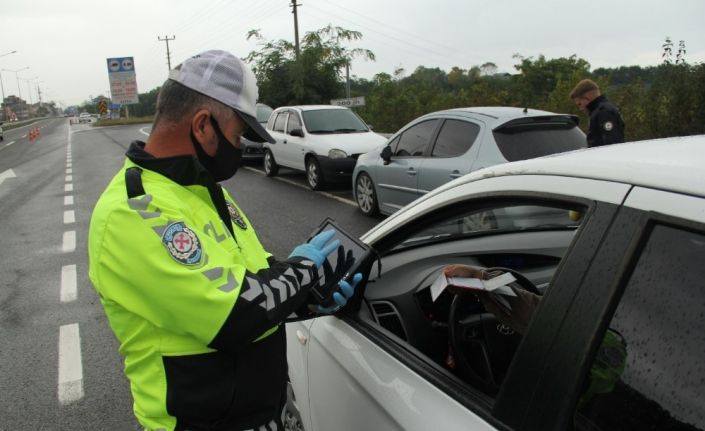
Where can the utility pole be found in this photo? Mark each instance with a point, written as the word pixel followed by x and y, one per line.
pixel 168 55
pixel 293 5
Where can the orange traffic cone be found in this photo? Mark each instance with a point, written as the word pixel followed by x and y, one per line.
pixel 31 135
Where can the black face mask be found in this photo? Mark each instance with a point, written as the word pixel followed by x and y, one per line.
pixel 226 160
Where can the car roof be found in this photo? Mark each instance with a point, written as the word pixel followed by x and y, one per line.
pixel 311 107
pixel 674 164
pixel 492 115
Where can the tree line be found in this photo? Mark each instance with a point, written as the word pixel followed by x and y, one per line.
pixel 656 101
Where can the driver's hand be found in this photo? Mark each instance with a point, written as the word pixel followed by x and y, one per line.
pixel 465 271
pixel 523 305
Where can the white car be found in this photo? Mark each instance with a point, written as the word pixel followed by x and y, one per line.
pixel 322 140
pixel 85 117
pixel 615 343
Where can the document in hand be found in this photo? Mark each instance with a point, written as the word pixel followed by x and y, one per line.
pixel 495 286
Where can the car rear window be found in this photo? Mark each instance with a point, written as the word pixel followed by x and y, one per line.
pixel 527 141
pixel 333 121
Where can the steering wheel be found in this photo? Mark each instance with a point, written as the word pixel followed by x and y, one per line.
pixel 483 345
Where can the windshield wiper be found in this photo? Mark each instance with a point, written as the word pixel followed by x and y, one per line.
pixel 321 131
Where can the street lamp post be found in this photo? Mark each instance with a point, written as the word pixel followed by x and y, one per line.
pixel 17 76
pixel 29 88
pixel 2 87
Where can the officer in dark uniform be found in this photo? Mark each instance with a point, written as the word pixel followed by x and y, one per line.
pixel 606 124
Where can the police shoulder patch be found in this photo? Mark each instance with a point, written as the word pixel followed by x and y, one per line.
pixel 608 126
pixel 182 243
pixel 236 217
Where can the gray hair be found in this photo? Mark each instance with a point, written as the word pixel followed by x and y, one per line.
pixel 176 102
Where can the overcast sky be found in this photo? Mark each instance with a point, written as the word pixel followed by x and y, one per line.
pixel 65 44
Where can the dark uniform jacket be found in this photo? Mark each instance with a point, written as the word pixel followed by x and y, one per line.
pixel 606 124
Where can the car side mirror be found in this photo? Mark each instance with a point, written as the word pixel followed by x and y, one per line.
pixel 386 154
pixel 369 126
pixel 297 132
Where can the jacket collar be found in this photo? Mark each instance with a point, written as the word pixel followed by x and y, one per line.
pixel 595 102
pixel 184 170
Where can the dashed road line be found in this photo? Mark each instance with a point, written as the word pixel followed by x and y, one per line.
pixel 68 291
pixel 68 200
pixel 69 217
pixel 69 241
pixel 70 367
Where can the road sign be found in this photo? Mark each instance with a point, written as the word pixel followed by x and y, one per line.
pixel 353 101
pixel 103 106
pixel 123 80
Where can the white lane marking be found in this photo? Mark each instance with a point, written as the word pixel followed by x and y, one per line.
pixel 68 178
pixel 301 186
pixel 142 130
pixel 9 143
pixel 69 241
pixel 70 367
pixel 69 171
pixel 23 136
pixel 68 188
pixel 7 174
pixel 69 217
pixel 68 283
pixel 68 165
pixel 68 200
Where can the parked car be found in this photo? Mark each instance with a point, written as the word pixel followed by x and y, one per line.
pixel 440 146
pixel 254 150
pixel 2 134
pixel 322 140
pixel 616 342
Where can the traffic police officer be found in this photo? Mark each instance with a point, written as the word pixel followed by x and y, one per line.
pixel 606 125
pixel 195 301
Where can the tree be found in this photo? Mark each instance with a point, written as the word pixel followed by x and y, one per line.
pixel 314 76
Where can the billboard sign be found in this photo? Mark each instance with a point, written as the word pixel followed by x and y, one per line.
pixel 123 80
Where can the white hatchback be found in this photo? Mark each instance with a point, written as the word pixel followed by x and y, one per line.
pixel 322 140
pixel 610 241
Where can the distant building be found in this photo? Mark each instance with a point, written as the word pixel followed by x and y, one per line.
pixel 14 107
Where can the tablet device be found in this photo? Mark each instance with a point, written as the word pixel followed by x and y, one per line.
pixel 360 252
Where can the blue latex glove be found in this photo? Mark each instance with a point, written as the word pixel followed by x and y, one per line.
pixel 318 248
pixel 345 292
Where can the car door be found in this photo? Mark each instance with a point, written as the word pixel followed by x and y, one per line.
pixel 296 145
pixel 452 154
pixel 380 369
pixel 397 181
pixel 631 346
pixel 280 149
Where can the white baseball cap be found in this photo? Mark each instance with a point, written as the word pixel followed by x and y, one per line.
pixel 227 79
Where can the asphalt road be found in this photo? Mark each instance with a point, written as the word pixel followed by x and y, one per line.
pixel 60 365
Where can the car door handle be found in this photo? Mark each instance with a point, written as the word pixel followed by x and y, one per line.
pixel 411 172
pixel 302 338
pixel 455 174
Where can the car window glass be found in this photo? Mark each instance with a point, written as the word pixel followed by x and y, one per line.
pixel 394 143
pixel 280 121
pixel 496 220
pixel 455 138
pixel 530 238
pixel 648 372
pixel 529 142
pixel 414 140
pixel 294 122
pixel 321 121
pixel 263 113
